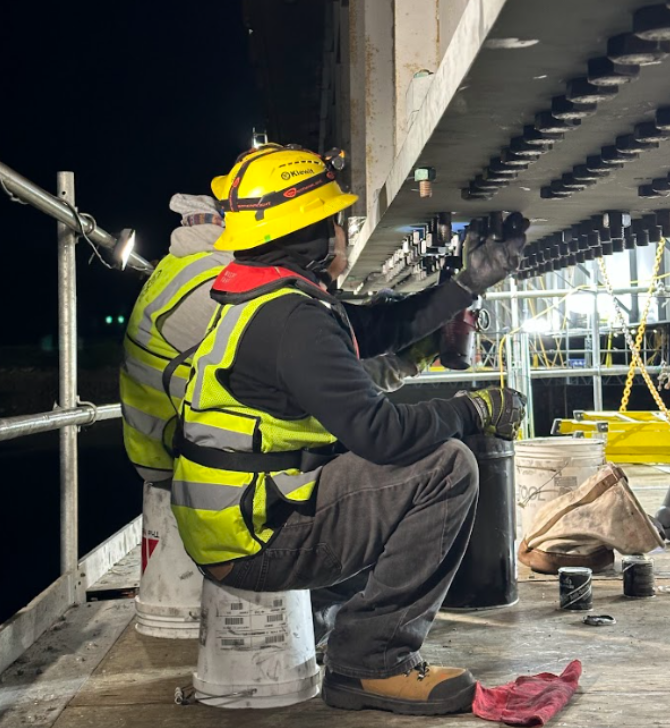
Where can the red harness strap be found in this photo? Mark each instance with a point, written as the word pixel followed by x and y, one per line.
pixel 236 278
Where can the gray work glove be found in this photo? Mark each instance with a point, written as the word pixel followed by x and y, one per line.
pixel 500 410
pixel 487 261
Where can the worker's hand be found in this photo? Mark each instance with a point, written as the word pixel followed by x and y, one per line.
pixel 500 410
pixel 487 261
pixel 422 353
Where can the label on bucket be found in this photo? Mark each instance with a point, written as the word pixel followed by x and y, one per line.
pixel 567 482
pixel 248 627
pixel 149 543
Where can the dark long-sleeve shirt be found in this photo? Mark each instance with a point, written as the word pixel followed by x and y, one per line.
pixel 295 358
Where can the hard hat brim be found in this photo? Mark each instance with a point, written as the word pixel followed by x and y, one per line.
pixel 218 186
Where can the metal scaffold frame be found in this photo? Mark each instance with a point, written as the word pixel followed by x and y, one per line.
pixel 25 627
pixel 513 346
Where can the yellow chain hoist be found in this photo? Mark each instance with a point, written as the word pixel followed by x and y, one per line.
pixel 635 346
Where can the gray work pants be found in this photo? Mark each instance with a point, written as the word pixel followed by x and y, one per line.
pixel 385 540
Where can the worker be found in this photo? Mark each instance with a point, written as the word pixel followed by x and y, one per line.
pixel 170 316
pixel 263 500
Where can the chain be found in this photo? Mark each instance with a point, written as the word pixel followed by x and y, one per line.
pixel 639 339
pixel 634 346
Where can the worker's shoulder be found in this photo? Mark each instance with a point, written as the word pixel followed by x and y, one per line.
pixel 299 301
pixel 295 310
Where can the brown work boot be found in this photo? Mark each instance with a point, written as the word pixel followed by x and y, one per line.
pixel 423 690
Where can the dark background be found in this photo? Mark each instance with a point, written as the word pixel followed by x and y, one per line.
pixel 139 100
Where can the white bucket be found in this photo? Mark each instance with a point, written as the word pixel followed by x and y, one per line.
pixel 168 602
pixel 256 650
pixel 549 467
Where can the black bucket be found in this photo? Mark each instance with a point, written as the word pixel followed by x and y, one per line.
pixel 487 575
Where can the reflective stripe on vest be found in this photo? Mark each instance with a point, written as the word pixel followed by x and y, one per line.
pixel 147 411
pixel 152 376
pixel 204 496
pixel 218 527
pixel 142 422
pixel 219 438
pixel 225 327
pixel 287 484
pixel 199 268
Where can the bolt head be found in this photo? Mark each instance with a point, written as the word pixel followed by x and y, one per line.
pixel 424 174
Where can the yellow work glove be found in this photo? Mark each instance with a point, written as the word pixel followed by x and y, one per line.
pixel 422 353
pixel 500 410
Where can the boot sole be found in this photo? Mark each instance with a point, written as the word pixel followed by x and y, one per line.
pixel 348 698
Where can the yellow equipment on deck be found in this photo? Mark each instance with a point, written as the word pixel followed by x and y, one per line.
pixel 630 437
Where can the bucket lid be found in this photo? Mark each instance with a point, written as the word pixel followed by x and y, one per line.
pixel 578 446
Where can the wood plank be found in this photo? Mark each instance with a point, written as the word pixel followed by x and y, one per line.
pixel 639 709
pixel 36 688
pixel 141 669
pixel 134 686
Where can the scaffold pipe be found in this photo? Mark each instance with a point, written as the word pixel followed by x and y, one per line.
pixel 44 201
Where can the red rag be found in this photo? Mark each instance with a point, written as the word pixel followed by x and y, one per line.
pixel 528 701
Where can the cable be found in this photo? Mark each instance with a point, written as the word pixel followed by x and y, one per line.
pixel 538 336
pixel 10 194
pixel 80 217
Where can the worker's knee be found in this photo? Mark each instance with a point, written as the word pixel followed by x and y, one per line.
pixel 460 465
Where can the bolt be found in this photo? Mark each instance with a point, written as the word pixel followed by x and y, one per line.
pixel 425 176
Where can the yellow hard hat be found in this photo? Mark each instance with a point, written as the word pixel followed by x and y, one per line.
pixel 274 191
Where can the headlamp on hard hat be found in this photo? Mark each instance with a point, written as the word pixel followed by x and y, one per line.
pixel 258 139
pixel 335 159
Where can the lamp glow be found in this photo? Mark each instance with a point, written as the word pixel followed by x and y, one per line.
pixel 258 139
pixel 125 244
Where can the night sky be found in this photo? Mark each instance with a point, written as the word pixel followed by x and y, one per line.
pixel 140 100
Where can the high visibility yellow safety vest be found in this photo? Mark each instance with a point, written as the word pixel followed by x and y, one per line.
pixel 149 417
pixel 237 463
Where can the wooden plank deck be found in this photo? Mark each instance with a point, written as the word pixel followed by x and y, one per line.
pixel 624 681
pixel 625 666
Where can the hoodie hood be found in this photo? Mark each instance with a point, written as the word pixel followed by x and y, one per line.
pixel 197 239
pixel 201 224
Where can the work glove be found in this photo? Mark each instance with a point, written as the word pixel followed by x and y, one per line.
pixel 422 353
pixel 500 410
pixel 487 261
